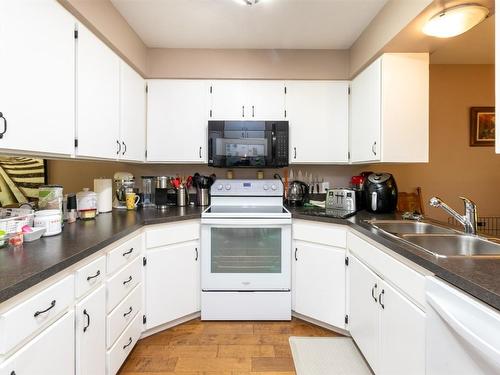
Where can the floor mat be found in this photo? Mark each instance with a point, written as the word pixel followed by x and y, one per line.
pixel 327 356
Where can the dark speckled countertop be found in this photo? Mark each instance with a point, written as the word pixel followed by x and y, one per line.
pixel 23 268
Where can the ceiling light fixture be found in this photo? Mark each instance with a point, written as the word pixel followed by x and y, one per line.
pixel 247 2
pixel 455 20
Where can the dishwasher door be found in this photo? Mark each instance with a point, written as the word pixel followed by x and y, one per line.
pixel 462 334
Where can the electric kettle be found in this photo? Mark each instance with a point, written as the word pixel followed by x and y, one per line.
pixel 298 193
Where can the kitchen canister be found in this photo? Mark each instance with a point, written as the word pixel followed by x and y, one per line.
pixel 50 220
pixel 86 203
pixel 103 187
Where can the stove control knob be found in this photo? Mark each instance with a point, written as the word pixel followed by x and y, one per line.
pixel 273 187
pixel 220 187
pixel 228 187
pixel 266 187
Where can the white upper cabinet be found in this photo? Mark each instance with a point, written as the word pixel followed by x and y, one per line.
pixel 390 110
pixel 132 114
pixel 247 100
pixel 98 98
pixel 177 121
pixel 318 113
pixel 37 67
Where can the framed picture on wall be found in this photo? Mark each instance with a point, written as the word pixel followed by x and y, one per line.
pixel 20 178
pixel 482 126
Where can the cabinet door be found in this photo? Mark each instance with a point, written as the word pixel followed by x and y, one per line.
pixel 172 282
pixel 402 334
pixel 228 101
pixel 132 114
pixel 265 100
pixel 319 282
pixel 98 98
pixel 318 115
pixel 366 114
pixel 91 334
pixel 37 60
pixel 364 310
pixel 177 121
pixel 51 352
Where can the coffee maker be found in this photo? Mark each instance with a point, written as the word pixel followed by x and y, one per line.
pixel 123 181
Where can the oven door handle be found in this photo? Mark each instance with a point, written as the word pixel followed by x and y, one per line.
pixel 248 222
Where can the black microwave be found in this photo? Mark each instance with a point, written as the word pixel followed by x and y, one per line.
pixel 252 144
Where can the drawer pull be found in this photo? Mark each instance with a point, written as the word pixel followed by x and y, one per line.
pixel 12 373
pixel 196 250
pixel 93 277
pixel 86 314
pixel 128 252
pixel 52 304
pixel 129 342
pixel 128 280
pixel 128 312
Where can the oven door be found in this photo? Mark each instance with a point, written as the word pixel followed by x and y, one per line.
pixel 246 254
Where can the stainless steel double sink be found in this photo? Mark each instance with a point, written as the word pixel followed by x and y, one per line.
pixel 440 241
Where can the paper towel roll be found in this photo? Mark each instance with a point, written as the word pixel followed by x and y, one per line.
pixel 103 187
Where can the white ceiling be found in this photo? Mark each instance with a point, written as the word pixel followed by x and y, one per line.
pixel 271 24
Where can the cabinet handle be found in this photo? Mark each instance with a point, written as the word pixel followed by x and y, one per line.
pixel 373 292
pixel 4 125
pixel 199 152
pixel 128 312
pixel 128 280
pixel 295 255
pixel 129 342
pixel 253 111
pixel 12 373
pixel 196 250
pixel 243 110
pixel 124 148
pixel 295 152
pixel 373 148
pixel 380 299
pixel 86 314
pixel 93 277
pixel 52 304
pixel 128 251
pixel 119 147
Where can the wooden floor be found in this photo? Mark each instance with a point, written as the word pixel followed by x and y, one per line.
pixel 220 348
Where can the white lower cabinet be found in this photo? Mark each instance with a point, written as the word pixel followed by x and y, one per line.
pixel 387 327
pixel 363 310
pixel 91 333
pixel 318 286
pixel 123 346
pixel 51 352
pixel 172 282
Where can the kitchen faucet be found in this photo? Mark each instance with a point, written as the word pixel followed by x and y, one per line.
pixel 469 220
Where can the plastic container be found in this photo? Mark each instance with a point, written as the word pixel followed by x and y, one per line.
pixel 50 220
pixel 34 235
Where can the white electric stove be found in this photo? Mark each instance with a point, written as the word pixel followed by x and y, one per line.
pixel 246 252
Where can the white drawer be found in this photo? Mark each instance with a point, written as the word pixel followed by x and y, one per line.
pixel 89 276
pixel 172 233
pixel 119 352
pixel 123 282
pixel 409 281
pixel 323 233
pixel 123 314
pixel 124 254
pixel 35 313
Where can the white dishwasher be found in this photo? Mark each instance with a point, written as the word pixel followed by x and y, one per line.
pixel 463 334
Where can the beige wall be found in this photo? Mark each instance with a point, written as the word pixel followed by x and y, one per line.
pixel 104 20
pixel 248 64
pixel 455 169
